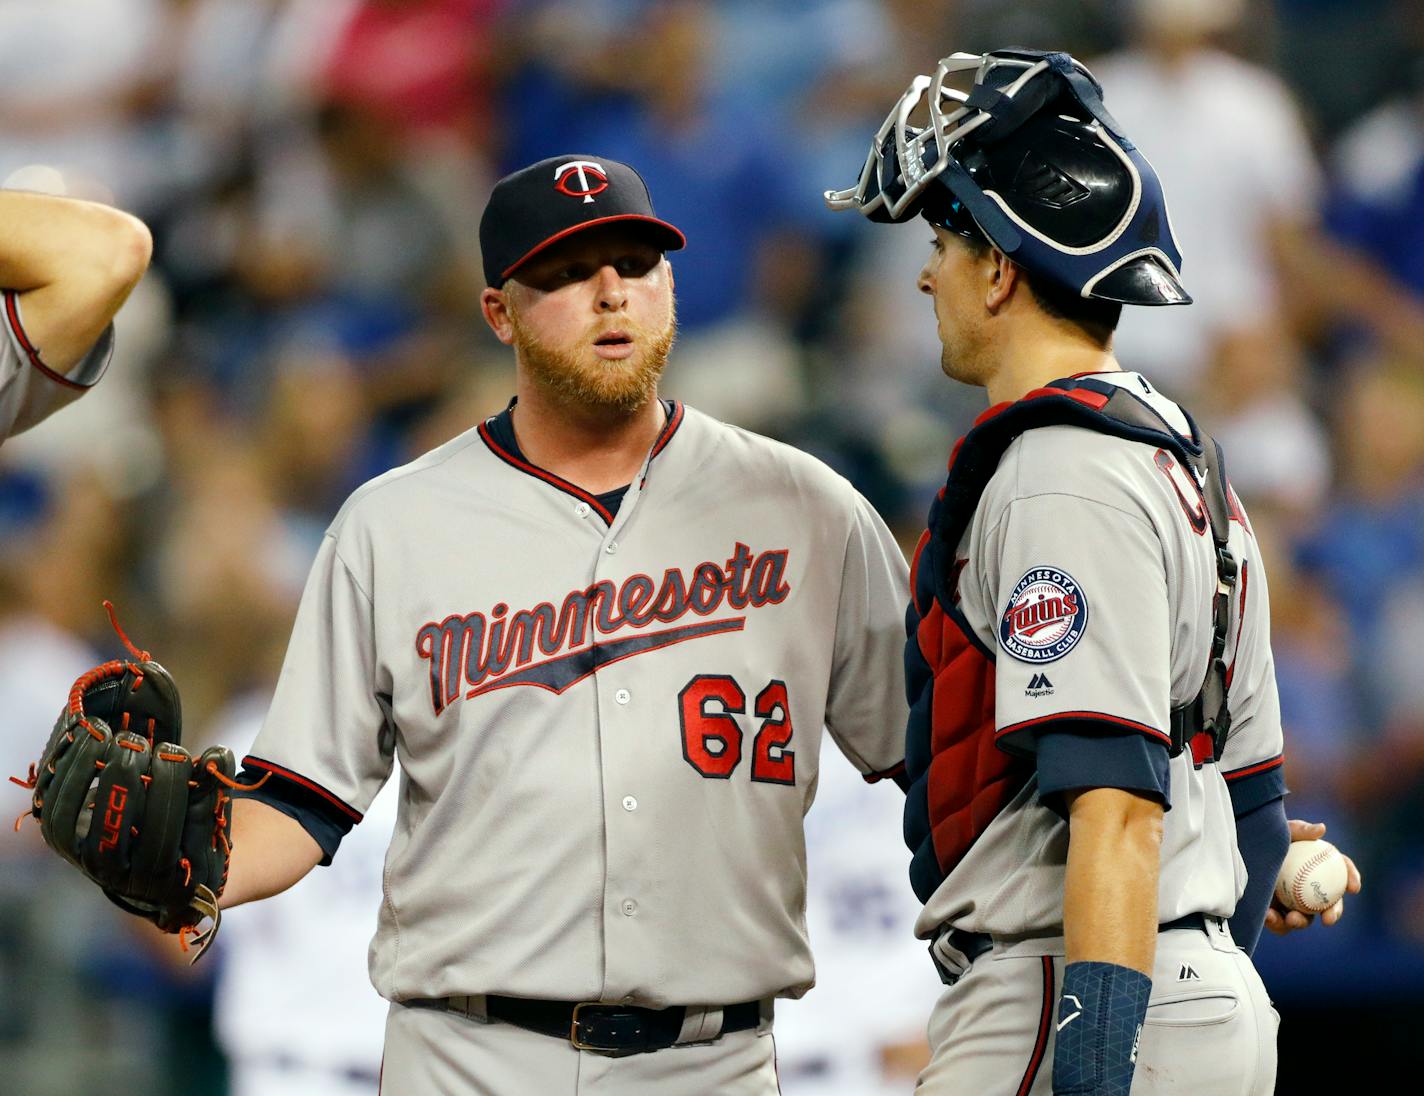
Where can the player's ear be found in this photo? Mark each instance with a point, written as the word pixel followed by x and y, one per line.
pixel 494 306
pixel 1002 274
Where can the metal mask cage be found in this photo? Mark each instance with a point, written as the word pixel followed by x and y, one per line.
pixel 1133 259
pixel 898 169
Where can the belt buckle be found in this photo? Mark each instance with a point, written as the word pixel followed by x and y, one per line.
pixel 622 1030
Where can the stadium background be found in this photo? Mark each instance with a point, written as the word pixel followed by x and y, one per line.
pixel 313 171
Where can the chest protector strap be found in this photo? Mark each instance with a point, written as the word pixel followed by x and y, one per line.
pixel 1108 409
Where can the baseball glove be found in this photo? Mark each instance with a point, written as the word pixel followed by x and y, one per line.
pixel 121 800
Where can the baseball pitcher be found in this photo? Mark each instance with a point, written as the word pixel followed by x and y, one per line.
pixel 602 634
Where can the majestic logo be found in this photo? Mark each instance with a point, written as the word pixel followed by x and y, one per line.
pixel 1039 685
pixel 580 179
pixel 554 648
pixel 1046 616
pixel 1187 974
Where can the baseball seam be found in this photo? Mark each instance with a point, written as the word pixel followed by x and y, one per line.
pixel 1302 876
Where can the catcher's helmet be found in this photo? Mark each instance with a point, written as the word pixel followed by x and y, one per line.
pixel 1030 158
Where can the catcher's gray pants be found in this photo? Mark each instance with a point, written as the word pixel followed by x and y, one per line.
pixel 434 1053
pixel 1210 1028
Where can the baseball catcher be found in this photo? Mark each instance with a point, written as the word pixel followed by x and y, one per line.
pixel 119 798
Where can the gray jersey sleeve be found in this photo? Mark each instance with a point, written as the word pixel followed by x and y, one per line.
pixel 1081 620
pixel 866 709
pixel 1254 748
pixel 29 390
pixel 328 728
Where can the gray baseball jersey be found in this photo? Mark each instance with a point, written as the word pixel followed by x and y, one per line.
pixel 30 391
pixel 608 721
pixel 1088 569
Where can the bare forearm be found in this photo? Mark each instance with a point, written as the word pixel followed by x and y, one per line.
pixel 1110 894
pixel 45 238
pixel 270 852
pixel 73 263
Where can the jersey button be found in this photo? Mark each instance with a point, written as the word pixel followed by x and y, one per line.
pixel 629 907
pixel 582 509
pixel 629 803
pixel 622 696
pixel 612 547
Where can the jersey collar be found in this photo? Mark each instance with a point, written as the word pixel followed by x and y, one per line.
pixel 497 432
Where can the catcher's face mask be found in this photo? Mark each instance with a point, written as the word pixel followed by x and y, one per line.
pixel 1031 156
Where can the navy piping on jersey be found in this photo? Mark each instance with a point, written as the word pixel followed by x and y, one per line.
pixel 497 432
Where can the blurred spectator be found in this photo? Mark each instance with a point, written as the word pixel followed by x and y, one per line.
pixel 1377 203
pixel 421 64
pixel 715 168
pixel 1367 546
pixel 76 79
pixel 1237 169
pixel 1256 397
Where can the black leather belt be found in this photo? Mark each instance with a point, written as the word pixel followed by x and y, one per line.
pixel 616 1030
pixel 975 944
pixel 1192 921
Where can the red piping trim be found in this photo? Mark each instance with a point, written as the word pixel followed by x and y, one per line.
pixel 12 314
pixel 682 240
pixel 669 429
pixel 885 774
pixel 548 477
pixel 1103 716
pixel 1045 1022
pixel 1252 770
pixel 287 774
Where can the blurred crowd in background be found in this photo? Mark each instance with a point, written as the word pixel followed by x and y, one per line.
pixel 313 172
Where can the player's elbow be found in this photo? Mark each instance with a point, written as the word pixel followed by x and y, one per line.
pixel 127 249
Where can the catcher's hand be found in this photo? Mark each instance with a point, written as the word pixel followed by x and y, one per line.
pixel 118 797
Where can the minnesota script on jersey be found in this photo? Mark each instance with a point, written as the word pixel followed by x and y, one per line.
pixel 608 725
pixel 29 390
pixel 1088 570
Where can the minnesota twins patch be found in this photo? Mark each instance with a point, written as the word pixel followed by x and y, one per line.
pixel 1046 616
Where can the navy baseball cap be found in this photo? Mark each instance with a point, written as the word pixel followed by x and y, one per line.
pixel 545 202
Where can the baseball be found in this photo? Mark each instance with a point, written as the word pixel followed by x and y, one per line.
pixel 1313 877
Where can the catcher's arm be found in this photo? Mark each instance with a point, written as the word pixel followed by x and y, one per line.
pixel 271 852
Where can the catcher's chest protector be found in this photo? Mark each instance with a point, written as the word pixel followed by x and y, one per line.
pixel 960 780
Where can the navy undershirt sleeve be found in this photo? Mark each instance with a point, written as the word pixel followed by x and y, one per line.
pixel 1263 836
pixel 326 824
pixel 1068 760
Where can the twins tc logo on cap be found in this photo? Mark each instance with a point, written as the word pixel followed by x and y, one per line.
pixel 580 179
pixel 1046 616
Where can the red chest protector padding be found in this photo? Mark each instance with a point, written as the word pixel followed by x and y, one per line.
pixel 959 780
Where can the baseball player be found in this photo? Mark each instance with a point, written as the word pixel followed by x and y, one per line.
pixel 1094 746
pixel 66 267
pixel 602 633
